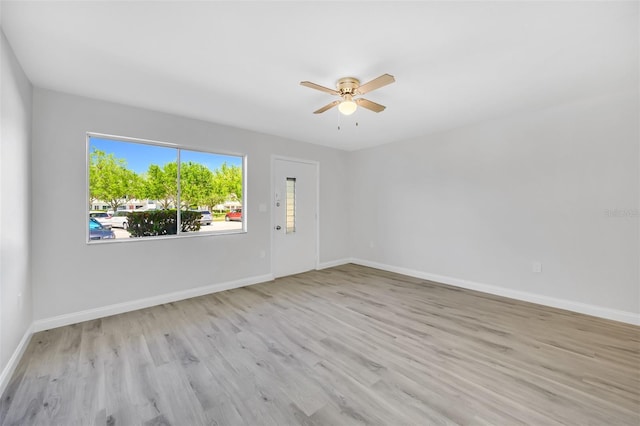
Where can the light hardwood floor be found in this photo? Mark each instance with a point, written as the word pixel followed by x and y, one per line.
pixel 347 345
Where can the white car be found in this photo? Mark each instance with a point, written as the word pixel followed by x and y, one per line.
pixel 206 217
pixel 119 219
pixel 103 218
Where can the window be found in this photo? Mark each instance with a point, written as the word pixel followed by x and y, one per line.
pixel 291 205
pixel 161 189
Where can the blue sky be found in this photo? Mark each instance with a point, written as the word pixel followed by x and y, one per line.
pixel 139 156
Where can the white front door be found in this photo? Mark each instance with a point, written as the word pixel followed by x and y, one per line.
pixel 295 229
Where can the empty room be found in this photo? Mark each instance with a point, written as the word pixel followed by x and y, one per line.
pixel 320 213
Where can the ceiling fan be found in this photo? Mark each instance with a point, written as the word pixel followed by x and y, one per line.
pixel 349 87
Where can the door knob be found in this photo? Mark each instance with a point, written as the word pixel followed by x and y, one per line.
pixel 278 227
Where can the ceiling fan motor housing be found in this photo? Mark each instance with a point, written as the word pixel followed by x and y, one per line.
pixel 348 85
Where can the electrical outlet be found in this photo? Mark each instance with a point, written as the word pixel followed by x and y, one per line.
pixel 536 267
pixel 371 244
pixel 263 254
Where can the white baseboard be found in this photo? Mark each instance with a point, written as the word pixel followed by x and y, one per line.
pixel 333 263
pixel 583 308
pixel 8 370
pixel 119 308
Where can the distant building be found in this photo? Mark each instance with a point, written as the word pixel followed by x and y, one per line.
pixel 128 205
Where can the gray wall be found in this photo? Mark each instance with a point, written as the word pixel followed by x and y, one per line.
pixel 473 205
pixel 480 204
pixel 70 276
pixel 16 313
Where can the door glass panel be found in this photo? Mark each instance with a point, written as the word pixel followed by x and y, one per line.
pixel 291 205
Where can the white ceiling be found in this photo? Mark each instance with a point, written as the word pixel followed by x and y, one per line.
pixel 240 63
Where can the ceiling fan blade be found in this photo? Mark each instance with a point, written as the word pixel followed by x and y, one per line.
pixel 364 103
pixel 376 83
pixel 326 107
pixel 318 87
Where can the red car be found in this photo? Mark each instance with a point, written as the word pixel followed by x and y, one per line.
pixel 233 215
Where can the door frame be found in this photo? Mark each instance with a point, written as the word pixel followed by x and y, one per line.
pixel 272 225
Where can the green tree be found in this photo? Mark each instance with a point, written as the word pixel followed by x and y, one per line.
pixel 227 184
pixel 110 180
pixel 93 182
pixel 196 184
pixel 160 184
pixel 136 188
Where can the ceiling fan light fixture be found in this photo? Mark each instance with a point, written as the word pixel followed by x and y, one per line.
pixel 347 106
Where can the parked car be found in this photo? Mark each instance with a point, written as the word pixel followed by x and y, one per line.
pixel 99 232
pixel 233 215
pixel 103 217
pixel 119 219
pixel 206 217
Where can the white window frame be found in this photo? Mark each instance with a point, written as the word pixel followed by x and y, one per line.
pixel 179 148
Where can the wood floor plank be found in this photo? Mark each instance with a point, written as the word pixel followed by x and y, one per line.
pixel 348 345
